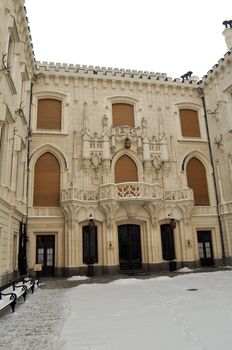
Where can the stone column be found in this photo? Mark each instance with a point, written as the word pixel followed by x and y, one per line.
pixel 110 233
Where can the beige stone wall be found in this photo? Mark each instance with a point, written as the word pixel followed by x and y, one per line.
pixel 15 76
pixel 88 146
pixel 217 87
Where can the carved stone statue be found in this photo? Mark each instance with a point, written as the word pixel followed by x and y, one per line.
pixel 227 24
pixel 186 76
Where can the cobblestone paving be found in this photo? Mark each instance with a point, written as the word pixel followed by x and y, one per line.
pixel 35 324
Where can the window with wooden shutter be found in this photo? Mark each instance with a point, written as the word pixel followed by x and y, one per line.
pixel 125 170
pixel 123 114
pixel 47 181
pixel 49 114
pixel 197 181
pixel 189 123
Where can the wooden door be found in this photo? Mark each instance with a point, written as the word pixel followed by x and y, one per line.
pixel 205 248
pixel 129 247
pixel 168 245
pixel 45 254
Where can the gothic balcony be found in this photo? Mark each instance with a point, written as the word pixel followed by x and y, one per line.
pixel 133 191
pixel 130 190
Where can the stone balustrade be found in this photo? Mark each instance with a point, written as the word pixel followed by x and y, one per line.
pixel 132 190
pixel 178 195
pixel 78 194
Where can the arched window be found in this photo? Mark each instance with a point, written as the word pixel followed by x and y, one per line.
pixel 47 181
pixel 125 170
pixel 49 114
pixel 123 114
pixel 197 181
pixel 189 123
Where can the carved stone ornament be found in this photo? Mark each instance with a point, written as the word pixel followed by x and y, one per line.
pixel 127 143
pixel 96 160
pixel 157 163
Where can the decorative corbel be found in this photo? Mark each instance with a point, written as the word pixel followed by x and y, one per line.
pixel 96 161
pixel 218 140
pixel 157 163
pixel 5 67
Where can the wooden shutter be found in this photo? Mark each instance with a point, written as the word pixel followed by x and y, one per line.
pixel 47 181
pixel 197 181
pixel 49 114
pixel 123 114
pixel 125 170
pixel 189 123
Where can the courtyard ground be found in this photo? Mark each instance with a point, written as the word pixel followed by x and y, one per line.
pixel 190 311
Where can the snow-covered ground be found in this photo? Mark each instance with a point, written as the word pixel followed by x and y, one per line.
pixel 188 312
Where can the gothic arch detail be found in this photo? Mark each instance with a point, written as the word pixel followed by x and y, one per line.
pixel 197 181
pixel 47 181
pixel 125 170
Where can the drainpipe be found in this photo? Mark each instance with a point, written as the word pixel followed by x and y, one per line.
pixel 28 160
pixel 201 93
pixel 28 146
pixel 22 254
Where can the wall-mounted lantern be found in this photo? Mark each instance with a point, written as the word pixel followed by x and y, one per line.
pixel 172 222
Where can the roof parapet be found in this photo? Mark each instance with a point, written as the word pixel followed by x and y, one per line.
pixel 81 70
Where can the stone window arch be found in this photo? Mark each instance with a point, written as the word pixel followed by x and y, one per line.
pixel 197 181
pixel 47 181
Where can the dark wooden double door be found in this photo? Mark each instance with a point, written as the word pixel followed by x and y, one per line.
pixel 205 248
pixel 168 246
pixel 45 254
pixel 129 247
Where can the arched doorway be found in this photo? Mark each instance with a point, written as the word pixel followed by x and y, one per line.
pixel 168 245
pixel 129 240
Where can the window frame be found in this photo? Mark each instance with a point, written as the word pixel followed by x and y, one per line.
pixel 60 111
pixel 64 112
pixel 196 123
pixel 34 204
pixel 109 101
pixel 194 107
pixel 207 182
pixel 127 104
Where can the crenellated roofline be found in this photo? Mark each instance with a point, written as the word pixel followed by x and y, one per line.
pixel 216 69
pixel 93 72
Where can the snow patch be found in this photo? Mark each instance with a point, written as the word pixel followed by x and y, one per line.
pixel 141 310
pixel 126 281
pixel 77 278
pixel 185 269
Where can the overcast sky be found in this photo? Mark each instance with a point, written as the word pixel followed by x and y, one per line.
pixel 167 36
